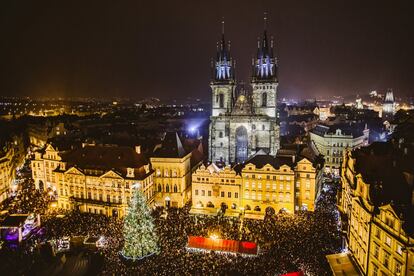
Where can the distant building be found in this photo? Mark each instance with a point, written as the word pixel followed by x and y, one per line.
pixel 358 103
pixel 377 203
pixel 332 140
pixel 388 107
pixel 94 179
pixel 40 132
pixel 243 122
pixel 262 185
pixel 173 165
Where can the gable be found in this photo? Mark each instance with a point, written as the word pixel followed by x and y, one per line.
pixel 111 174
pixel 74 171
pixel 49 147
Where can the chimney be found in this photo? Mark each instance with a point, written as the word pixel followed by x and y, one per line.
pixel 293 159
pixel 138 149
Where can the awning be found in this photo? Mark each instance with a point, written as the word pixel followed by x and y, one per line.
pixel 342 264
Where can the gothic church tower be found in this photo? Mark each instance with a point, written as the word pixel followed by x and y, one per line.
pixel 243 122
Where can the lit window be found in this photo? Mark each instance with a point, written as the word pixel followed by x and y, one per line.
pixel 287 197
pixel 399 249
pixel 388 240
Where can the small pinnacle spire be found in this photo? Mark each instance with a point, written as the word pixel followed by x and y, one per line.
pixel 265 20
pixel 222 26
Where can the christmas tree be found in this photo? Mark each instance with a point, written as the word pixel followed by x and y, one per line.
pixel 139 231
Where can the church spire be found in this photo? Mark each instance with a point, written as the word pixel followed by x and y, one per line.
pixel 223 65
pixel 265 64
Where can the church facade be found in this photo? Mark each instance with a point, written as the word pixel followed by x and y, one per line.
pixel 243 121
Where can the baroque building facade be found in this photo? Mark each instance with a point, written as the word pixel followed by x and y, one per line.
pixel 332 141
pixel 173 166
pixel 377 204
pixel 243 122
pixel 94 179
pixel 264 184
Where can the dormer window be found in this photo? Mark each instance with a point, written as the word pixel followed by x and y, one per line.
pixel 130 172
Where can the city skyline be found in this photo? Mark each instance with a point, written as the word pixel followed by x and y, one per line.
pixel 136 51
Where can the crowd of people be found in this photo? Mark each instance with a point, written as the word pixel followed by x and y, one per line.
pixel 286 242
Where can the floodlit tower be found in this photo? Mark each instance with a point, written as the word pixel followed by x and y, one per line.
pixel 264 79
pixel 223 82
pixel 388 107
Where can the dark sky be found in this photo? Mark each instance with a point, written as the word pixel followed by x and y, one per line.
pixel 147 48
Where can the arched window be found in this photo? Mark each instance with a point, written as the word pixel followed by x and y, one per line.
pixel 175 188
pixel 257 208
pixel 247 208
pixel 221 100
pixel 159 188
pixel 233 206
pixel 264 99
pixel 167 188
pixel 241 144
pixel 221 134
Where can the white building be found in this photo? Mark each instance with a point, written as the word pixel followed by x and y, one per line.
pixel 332 141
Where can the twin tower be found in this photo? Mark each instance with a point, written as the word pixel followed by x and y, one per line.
pixel 243 122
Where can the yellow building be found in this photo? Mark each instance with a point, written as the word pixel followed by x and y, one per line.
pixel 262 185
pixel 12 155
pixel 377 202
pixel 173 165
pixel 95 179
pixel 43 164
pixel 214 189
pixel 6 172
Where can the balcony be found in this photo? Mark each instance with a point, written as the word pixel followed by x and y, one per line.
pixel 93 201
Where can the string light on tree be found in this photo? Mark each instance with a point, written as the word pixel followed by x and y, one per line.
pixel 139 230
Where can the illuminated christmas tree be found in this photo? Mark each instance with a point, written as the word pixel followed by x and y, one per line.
pixel 139 230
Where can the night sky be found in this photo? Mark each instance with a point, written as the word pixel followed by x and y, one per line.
pixel 141 49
